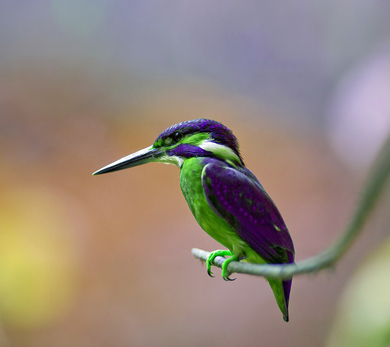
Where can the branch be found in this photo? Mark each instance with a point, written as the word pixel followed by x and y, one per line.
pixel 329 257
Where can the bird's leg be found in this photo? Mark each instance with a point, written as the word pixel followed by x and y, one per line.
pixel 221 253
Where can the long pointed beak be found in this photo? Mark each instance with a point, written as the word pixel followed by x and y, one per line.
pixel 143 156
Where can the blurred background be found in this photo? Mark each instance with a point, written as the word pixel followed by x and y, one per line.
pixel 106 261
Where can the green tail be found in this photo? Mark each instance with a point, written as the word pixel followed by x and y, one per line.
pixel 278 289
pixel 277 286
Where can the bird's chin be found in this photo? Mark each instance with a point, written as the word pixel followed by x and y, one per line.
pixel 167 159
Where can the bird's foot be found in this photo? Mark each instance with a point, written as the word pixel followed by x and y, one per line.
pixel 225 274
pixel 212 256
pixel 221 253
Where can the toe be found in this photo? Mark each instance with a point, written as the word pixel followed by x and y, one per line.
pixel 211 274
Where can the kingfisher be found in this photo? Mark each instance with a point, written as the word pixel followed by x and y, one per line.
pixel 226 199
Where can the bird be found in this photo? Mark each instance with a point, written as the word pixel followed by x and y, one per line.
pixel 226 199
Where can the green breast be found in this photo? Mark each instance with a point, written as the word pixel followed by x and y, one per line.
pixel 192 187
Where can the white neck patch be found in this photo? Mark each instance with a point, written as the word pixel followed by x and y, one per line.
pixel 221 151
pixel 175 160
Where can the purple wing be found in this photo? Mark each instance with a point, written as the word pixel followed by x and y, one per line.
pixel 239 198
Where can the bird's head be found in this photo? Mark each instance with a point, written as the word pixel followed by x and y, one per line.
pixel 194 138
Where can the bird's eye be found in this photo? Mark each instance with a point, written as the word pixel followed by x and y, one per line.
pixel 177 136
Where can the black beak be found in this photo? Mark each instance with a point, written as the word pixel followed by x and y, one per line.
pixel 143 156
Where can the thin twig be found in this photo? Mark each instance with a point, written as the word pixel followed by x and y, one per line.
pixel 329 257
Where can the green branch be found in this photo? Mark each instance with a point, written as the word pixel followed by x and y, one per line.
pixel 329 257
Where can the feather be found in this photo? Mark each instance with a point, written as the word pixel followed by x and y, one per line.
pixel 246 206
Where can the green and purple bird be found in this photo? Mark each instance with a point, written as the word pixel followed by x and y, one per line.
pixel 226 199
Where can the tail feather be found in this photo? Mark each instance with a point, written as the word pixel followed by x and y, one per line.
pixel 280 288
pixel 287 287
pixel 286 290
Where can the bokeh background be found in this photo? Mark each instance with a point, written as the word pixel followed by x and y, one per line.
pixel 106 261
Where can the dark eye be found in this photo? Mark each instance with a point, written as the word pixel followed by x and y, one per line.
pixel 177 136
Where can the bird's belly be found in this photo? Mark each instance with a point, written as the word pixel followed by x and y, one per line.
pixel 192 188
